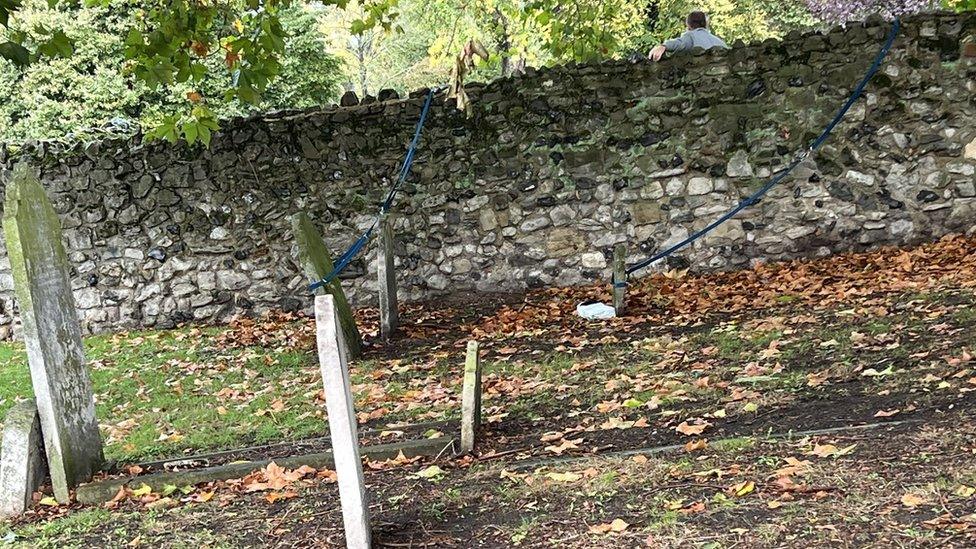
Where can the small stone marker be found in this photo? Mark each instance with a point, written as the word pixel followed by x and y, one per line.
pixel 471 398
pixel 389 316
pixel 619 278
pixel 52 335
pixel 342 424
pixel 317 261
pixel 22 464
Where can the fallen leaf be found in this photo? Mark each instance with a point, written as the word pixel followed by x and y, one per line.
pixel 687 429
pixel 617 525
pixel 965 491
pixel 911 500
pixel 564 477
pixel 829 450
pixel 277 496
pixel 48 502
pixel 742 488
pixel 431 472
pixel 566 445
pixel 698 444
pixel 202 497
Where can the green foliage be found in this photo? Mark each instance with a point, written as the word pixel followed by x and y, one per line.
pixel 959 5
pixel 584 29
pixel 183 64
pixel 91 87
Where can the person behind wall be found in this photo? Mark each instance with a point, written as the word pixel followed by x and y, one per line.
pixel 697 36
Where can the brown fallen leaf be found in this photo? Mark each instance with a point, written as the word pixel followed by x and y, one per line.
pixel 912 500
pixel 566 445
pixel 695 445
pixel 690 430
pixel 277 496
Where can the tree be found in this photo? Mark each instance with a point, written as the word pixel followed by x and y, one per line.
pixel 218 56
pixel 82 93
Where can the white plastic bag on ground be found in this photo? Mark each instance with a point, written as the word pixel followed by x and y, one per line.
pixel 595 311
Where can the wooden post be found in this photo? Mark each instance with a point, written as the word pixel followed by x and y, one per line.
pixel 619 278
pixel 471 398
pixel 342 424
pixel 389 317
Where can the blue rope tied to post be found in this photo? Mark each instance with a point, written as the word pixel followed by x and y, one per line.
pixel 346 258
pixel 757 196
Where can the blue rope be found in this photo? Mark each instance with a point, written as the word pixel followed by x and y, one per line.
pixel 346 258
pixel 755 198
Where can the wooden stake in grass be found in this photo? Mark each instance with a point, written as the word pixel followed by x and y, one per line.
pixel 389 316
pixel 471 398
pixel 619 278
pixel 342 424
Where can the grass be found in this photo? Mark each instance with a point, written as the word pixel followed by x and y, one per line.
pixel 167 393
pixel 159 393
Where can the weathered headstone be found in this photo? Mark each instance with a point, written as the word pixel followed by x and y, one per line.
pixel 22 464
pixel 52 334
pixel 386 275
pixel 342 424
pixel 471 398
pixel 619 278
pixel 317 262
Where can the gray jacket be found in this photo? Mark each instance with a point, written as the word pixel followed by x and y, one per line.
pixel 697 38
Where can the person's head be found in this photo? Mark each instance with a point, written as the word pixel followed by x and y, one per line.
pixel 697 20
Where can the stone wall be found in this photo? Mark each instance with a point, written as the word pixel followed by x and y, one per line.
pixel 550 170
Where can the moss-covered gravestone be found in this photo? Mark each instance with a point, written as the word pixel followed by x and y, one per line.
pixel 52 334
pixel 22 467
pixel 317 262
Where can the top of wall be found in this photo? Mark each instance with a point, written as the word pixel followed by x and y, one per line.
pixel 935 31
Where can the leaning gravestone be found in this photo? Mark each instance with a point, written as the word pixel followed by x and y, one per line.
pixel 317 262
pixel 52 334
pixel 342 424
pixel 21 459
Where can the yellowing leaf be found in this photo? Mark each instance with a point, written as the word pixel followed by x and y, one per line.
pixel 564 477
pixel 965 491
pixel 617 525
pixel 143 490
pixel 49 502
pixel 743 488
pixel 913 500
pixel 202 497
pixel 430 472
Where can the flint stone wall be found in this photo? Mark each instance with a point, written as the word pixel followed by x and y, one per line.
pixel 534 188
